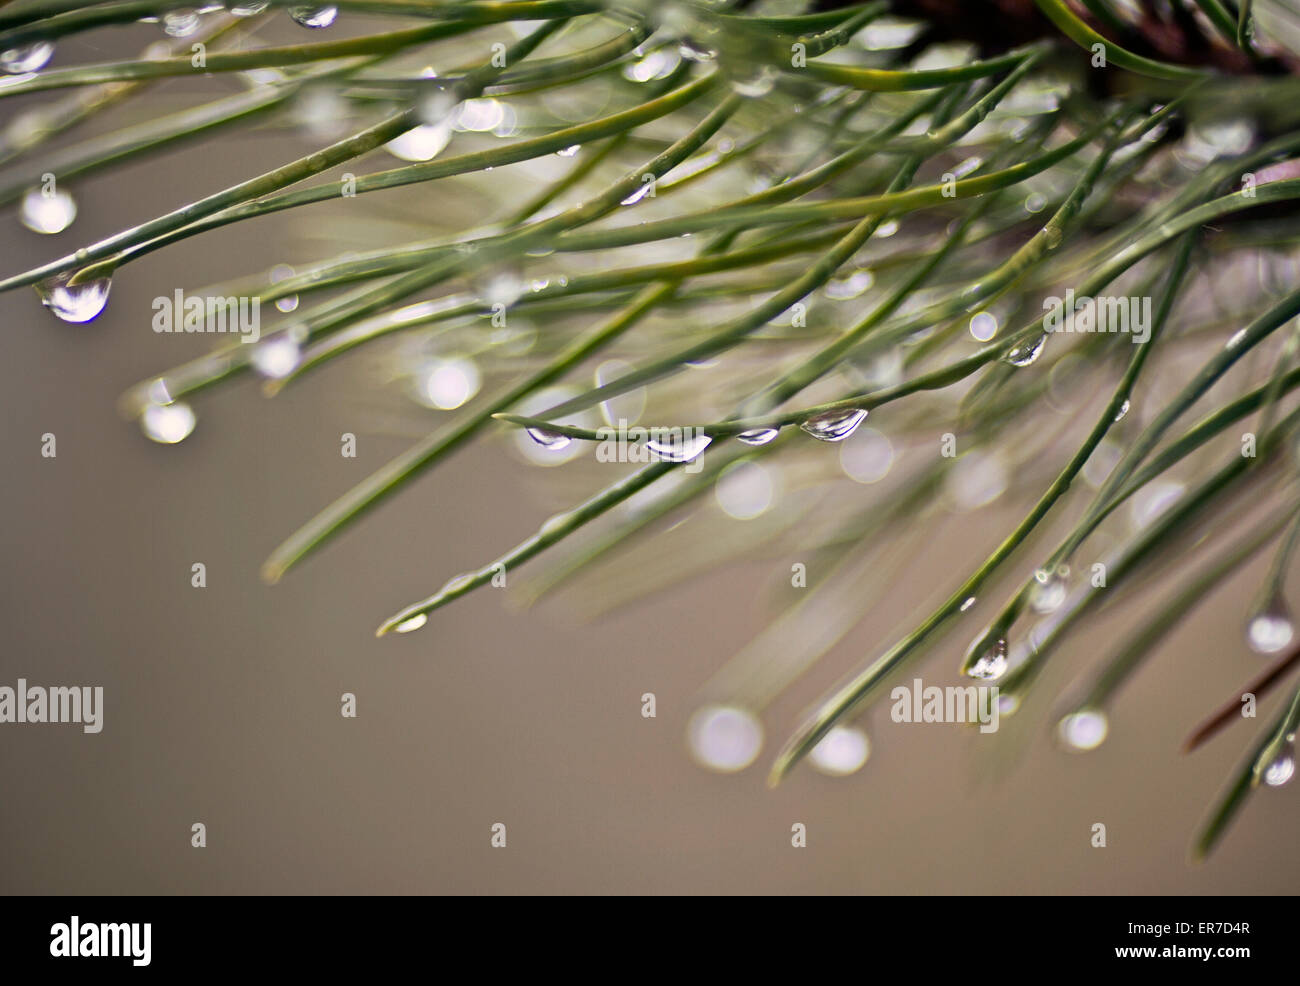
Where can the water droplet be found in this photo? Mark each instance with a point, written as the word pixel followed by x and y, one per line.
pixel 851 286
pixel 422 143
pixel 248 9
pixel 968 604
pixel 1034 202
pixel 694 51
pixel 1048 592
pixel 758 436
pixel 502 286
pixel 277 357
pixel 674 446
pixel 552 441
pixel 438 107
pixel 659 64
pixel 755 85
pixel 480 115
pixel 867 457
pixel 1270 629
pixel 992 663
pixel 51 213
pixel 74 302
pixel 1123 410
pixel 639 194
pixel 724 738
pixel 887 229
pixel 314 17
pixel 282 272
pixel 1281 770
pixel 983 326
pixel 26 58
pixel 449 384
pixel 181 23
pixel 414 623
pixel 569 151
pixel 745 490
pixel 625 408
pixel 841 752
pixel 169 423
pixel 834 426
pixel 1083 730
pixel 1028 353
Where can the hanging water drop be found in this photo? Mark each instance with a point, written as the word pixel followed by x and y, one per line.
pixel 992 663
pixel 47 214
pixel 841 752
pixel 314 17
pixel 181 23
pixel 422 143
pixel 1123 410
pixel 26 58
pixel 1026 354
pixel 168 423
pixel 414 623
pixel 74 302
pixel 552 441
pixel 1270 629
pixel 1048 592
pixel 277 357
pixel 759 83
pixel 673 446
pixel 569 151
pixel 1280 770
pixel 758 436
pixel 724 738
pixel 834 426
pixel 1083 730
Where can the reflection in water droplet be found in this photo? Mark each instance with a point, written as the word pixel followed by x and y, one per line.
pixel 312 16
pixel 1271 628
pixel 74 303
pixel 167 423
pixel 745 490
pixel 992 663
pixel 414 623
pixel 1028 353
pixel 983 326
pixel 834 426
pixel 1281 770
pixel 552 441
pixel 277 357
pixel 759 436
pixel 43 213
pixel 26 58
pixel 422 143
pixel 724 738
pixel 1083 730
pixel 675 446
pixel 841 752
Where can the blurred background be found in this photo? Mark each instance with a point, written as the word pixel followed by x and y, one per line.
pixel 222 705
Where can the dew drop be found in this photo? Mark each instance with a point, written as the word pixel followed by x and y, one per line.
pixel 74 303
pixel 277 357
pixel 1026 354
pixel 841 752
pixel 1281 770
pixel 672 446
pixel 724 738
pixel 26 58
pixel 422 143
pixel 569 151
pixel 315 17
pixel 167 424
pixel 1123 410
pixel 47 214
pixel 694 51
pixel 1270 629
pixel 983 326
pixel 552 441
pixel 181 23
pixel 248 9
pixel 1048 592
pixel 1083 730
pixel 414 623
pixel 834 426
pixel 760 83
pixel 992 663
pixel 850 286
pixel 758 436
